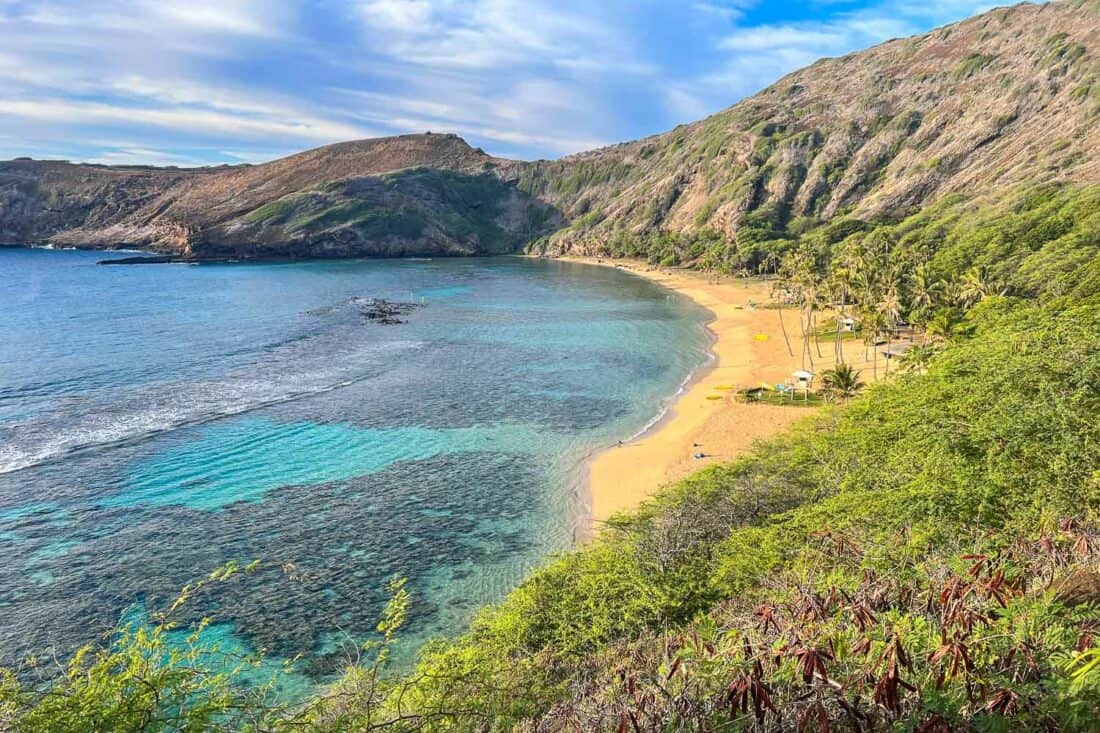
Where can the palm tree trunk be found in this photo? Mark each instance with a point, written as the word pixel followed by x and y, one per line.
pixel 817 341
pixel 889 345
pixel 806 346
pixel 783 327
pixel 839 339
pixel 802 329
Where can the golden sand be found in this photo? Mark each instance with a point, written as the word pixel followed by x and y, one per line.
pixel 709 418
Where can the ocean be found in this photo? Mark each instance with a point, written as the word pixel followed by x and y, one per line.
pixel 158 421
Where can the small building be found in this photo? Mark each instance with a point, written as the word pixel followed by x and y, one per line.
pixel 896 351
pixel 905 331
pixel 802 381
pixel 847 324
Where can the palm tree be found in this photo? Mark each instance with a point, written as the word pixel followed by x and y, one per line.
pixel 890 308
pixel 925 293
pixel 839 285
pixel 874 325
pixel 916 359
pixel 815 299
pixel 975 287
pixel 842 382
pixel 771 262
pixel 799 272
pixel 782 287
pixel 942 326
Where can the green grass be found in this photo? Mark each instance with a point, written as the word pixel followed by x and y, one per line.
pixel 972 64
pixel 780 399
pixel 463 207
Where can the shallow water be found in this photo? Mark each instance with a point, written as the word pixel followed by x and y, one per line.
pixel 157 421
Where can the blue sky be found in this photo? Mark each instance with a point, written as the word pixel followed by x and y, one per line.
pixel 186 82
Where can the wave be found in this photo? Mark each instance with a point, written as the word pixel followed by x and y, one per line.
pixel 668 403
pixel 164 408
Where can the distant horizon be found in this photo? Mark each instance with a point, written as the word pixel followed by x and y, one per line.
pixel 226 83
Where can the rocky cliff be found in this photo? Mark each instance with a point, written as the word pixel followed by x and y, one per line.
pixel 1007 99
pixel 414 194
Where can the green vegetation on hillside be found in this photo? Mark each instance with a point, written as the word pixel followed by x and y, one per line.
pixel 1043 242
pixel 405 206
pixel 921 559
pixel 984 455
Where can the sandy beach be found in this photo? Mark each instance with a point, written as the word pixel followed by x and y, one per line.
pixel 708 418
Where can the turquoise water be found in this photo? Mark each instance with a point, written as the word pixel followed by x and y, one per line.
pixel 157 421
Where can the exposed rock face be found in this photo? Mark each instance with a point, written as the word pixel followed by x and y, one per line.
pixel 415 194
pixel 1008 98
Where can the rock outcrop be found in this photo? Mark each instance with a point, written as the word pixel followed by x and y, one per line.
pixel 1007 99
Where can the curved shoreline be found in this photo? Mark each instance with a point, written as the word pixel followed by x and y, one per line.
pixel 585 524
pixel 704 417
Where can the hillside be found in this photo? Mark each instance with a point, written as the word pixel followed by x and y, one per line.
pixel 414 194
pixel 1007 99
pixel 922 554
pixel 1004 101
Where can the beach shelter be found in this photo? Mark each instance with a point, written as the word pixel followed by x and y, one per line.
pixel 848 325
pixel 904 330
pixel 802 382
pixel 803 378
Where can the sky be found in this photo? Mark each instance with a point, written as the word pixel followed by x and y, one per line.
pixel 197 82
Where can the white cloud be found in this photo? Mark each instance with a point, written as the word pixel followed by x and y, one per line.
pixel 484 34
pixel 400 15
pixel 70 111
pixel 756 56
pixel 211 80
pixel 132 155
pixel 234 17
pixel 155 17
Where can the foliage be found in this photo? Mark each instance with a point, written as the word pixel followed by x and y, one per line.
pixel 972 64
pixel 141 677
pixel 138 679
pixel 978 453
pixel 921 559
pixel 842 382
pixel 1043 243
pixel 408 205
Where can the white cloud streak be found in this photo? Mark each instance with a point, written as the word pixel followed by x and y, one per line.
pixel 189 82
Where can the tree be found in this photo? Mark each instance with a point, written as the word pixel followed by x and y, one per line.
pixel 842 382
pixel 942 326
pixel 840 287
pixel 916 359
pixel 782 287
pixel 890 308
pixel 799 272
pixel 874 326
pixel 925 293
pixel 975 286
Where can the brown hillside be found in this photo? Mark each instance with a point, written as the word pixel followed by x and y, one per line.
pixel 1007 99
